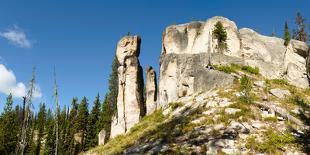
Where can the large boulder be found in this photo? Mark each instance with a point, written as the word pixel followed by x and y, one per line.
pixel 151 90
pixel 130 102
pixel 188 49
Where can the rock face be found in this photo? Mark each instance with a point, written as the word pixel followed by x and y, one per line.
pixel 101 137
pixel 130 106
pixel 187 49
pixel 151 90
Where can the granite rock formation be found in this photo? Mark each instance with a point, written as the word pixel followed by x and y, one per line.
pixel 151 90
pixel 130 102
pixel 188 49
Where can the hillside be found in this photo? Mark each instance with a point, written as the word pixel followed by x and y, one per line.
pixel 246 93
pixel 220 121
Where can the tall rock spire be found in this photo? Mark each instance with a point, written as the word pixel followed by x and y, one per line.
pixel 130 102
pixel 151 90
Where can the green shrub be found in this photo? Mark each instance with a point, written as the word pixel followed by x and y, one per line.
pixel 280 81
pixel 272 141
pixel 226 69
pixel 175 105
pixel 246 86
pixel 250 69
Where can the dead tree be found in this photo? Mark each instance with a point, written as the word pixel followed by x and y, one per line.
pixel 27 103
pixel 57 113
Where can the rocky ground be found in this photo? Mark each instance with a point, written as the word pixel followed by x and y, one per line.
pixel 275 121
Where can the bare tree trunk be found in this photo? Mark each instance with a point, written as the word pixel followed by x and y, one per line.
pixel 26 115
pixel 57 113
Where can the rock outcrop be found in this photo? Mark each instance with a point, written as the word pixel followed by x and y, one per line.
pixel 102 137
pixel 187 49
pixel 151 90
pixel 130 102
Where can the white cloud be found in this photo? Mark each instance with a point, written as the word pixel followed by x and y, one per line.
pixel 9 85
pixel 17 37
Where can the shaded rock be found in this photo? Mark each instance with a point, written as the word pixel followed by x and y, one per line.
pixel 151 90
pixel 280 93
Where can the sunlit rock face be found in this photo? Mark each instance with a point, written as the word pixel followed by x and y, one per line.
pixel 187 49
pixel 151 90
pixel 130 102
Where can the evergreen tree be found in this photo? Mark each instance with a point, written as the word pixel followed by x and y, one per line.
pixel 62 131
pixel 105 119
pixel 287 36
pixel 113 85
pixel 221 35
pixel 301 33
pixel 111 98
pixel 50 134
pixel 93 128
pixel 40 128
pixel 8 128
pixel 82 120
pixel 72 120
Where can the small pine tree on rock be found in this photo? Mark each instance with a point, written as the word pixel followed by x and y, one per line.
pixel 221 35
pixel 287 36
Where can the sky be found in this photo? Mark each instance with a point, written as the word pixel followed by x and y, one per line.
pixel 79 38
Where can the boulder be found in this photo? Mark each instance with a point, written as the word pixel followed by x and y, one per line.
pixel 151 90
pixel 130 102
pixel 232 111
pixel 101 137
pixel 280 93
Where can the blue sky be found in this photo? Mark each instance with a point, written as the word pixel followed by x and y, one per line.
pixel 79 37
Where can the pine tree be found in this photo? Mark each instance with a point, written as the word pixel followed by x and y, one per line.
pixel 8 128
pixel 113 85
pixel 221 35
pixel 92 131
pixel 50 134
pixel 82 120
pixel 63 131
pixel 300 33
pixel 40 128
pixel 105 118
pixel 72 120
pixel 287 36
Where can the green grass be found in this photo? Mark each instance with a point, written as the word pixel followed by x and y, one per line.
pixel 233 68
pixel 175 105
pixel 147 125
pixel 250 69
pixel 271 119
pixel 225 68
pixel 272 142
pixel 282 82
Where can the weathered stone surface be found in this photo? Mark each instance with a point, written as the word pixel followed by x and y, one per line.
pixel 128 46
pixel 187 49
pixel 130 102
pixel 232 111
pixel 101 137
pixel 151 90
pixel 185 74
pixel 280 93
